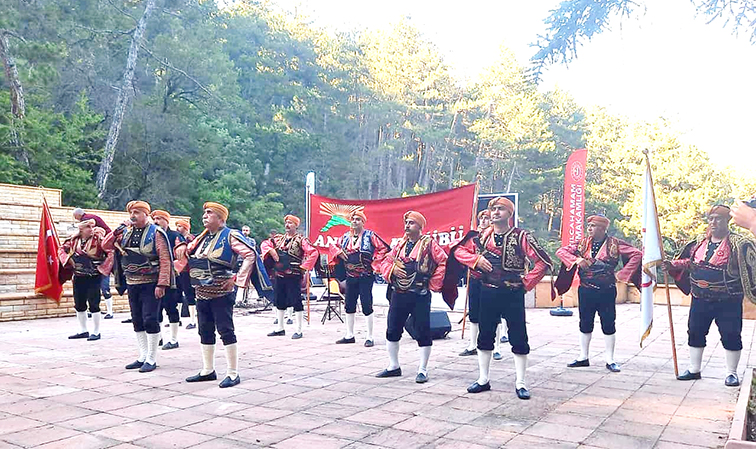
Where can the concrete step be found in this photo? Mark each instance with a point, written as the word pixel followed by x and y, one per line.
pixel 18 259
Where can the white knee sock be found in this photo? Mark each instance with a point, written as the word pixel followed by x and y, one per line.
pixel 585 345
pixel 232 361
pixel 109 305
pixel 474 331
pixel 290 312
pixel 609 348
pixel 369 320
pixel 732 358
pixel 152 346
pixel 521 364
pixel 142 345
pixel 497 340
pixel 174 332
pixel 82 318
pixel 193 314
pixel 280 315
pixel 208 359
pixel 392 347
pixel 96 323
pixel 484 366
pixel 696 358
pixel 424 357
pixel 349 325
pixel 300 319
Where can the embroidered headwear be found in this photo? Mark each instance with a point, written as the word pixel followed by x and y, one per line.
pixel 293 218
pixel 598 220
pixel 720 209
pixel 501 201
pixel 484 213
pixel 183 223
pixel 219 209
pixel 359 213
pixel 138 205
pixel 417 217
pixel 160 214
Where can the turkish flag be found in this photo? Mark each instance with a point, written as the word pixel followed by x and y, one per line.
pixel 47 281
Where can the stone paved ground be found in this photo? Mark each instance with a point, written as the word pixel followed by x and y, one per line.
pixel 56 392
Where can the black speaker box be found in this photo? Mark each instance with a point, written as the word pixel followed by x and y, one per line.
pixel 440 326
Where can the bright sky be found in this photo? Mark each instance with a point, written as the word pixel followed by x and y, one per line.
pixel 664 61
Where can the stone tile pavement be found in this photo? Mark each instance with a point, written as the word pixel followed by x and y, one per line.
pixel 310 393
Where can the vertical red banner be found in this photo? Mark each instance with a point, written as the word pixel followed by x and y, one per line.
pixel 573 206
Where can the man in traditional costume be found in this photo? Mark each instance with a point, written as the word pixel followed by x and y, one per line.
pixel 473 310
pixel 413 268
pixel 500 255
pixel 211 258
pixel 145 264
pixel 83 254
pixel 80 215
pixel 362 251
pixel 292 258
pixel 717 270
pixel 173 294
pixel 184 282
pixel 595 257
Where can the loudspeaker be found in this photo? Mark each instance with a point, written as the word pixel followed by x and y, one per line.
pixel 440 326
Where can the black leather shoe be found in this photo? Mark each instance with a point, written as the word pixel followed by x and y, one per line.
pixel 504 339
pixel 390 373
pixel 369 343
pixel 478 388
pixel 613 367
pixel 126 321
pixel 167 325
pixel 467 352
pixel 134 365
pixel 732 381
pixel 191 326
pixel 107 317
pixel 200 378
pixel 78 336
pixel 227 382
pixel 497 356
pixel 296 336
pixel 421 378
pixel 275 321
pixel 523 393
pixel 289 321
pixel 93 337
pixel 277 333
pixel 147 367
pixel 687 375
pixel 345 341
pixel 160 343
pixel 170 345
pixel 579 363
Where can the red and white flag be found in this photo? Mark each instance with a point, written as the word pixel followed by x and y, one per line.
pixel 47 280
pixel 652 253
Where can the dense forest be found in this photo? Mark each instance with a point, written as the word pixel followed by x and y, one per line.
pixel 194 103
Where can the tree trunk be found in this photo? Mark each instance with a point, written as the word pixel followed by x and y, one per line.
pixel 18 106
pixel 124 96
pixel 451 172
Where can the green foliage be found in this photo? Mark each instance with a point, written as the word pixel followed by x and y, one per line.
pixel 236 105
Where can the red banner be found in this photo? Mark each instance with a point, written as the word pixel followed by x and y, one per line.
pixel 47 281
pixel 573 207
pixel 449 215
